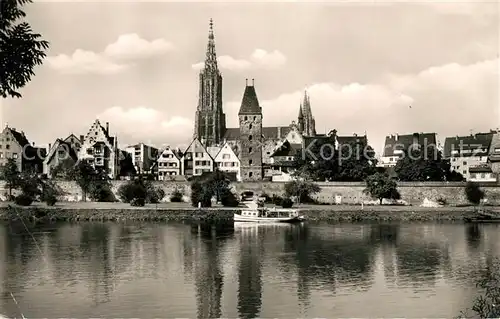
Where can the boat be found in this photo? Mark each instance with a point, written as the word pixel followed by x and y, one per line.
pixel 254 212
pixel 483 217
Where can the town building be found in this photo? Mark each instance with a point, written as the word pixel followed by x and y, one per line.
pixel 252 142
pixel 465 152
pixel 143 157
pixel 101 150
pixel 284 161
pixel 396 146
pixel 482 173
pixel 226 161
pixel 168 164
pixel 62 151
pixel 196 160
pixel 15 145
pixel 494 154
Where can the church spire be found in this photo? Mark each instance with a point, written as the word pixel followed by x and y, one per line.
pixel 211 57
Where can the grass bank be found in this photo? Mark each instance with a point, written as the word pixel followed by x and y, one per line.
pixel 90 211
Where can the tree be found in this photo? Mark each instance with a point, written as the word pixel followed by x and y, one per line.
pixel 487 304
pixel 473 193
pixel 63 169
pixel 302 190
pixel 11 175
pixel 380 186
pixel 83 174
pixel 20 48
pixel 419 165
pixel 100 187
pixel 356 161
pixel 206 186
pixel 318 160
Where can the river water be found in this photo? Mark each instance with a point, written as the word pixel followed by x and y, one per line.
pixel 146 270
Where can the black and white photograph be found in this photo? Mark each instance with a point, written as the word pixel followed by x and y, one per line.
pixel 249 159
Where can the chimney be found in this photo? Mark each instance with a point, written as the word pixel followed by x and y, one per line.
pixel 33 144
pixel 354 134
pixel 13 129
pixel 81 138
pixel 50 146
pixel 253 82
pixel 279 132
pixel 415 138
pixel 246 82
pixel 107 127
pixel 396 136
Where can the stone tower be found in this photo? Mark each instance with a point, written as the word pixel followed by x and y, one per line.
pixel 307 124
pixel 210 120
pixel 250 118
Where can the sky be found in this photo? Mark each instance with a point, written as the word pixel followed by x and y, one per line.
pixel 376 67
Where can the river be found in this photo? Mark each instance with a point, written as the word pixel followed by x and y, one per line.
pixel 174 270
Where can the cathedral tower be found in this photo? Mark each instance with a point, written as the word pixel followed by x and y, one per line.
pixel 250 118
pixel 307 124
pixel 210 120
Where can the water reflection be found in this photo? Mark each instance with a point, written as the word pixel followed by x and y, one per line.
pixel 183 270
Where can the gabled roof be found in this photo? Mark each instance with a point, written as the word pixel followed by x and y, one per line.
pixel 196 146
pixel 250 103
pixel 66 146
pixel 111 140
pixel 73 136
pixel 226 146
pixel 403 142
pixel 288 149
pixel 169 150
pixel 19 137
pixel 470 145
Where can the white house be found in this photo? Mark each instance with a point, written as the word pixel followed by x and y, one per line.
pixel 101 150
pixel 227 161
pixel 168 164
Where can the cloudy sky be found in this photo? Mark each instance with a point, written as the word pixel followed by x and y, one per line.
pixel 135 64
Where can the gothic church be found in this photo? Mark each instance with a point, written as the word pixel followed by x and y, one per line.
pixel 252 142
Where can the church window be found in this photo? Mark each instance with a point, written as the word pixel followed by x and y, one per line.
pixel 250 137
pixel 250 126
pixel 250 174
pixel 249 150
pixel 250 162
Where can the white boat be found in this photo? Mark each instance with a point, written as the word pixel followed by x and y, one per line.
pixel 255 214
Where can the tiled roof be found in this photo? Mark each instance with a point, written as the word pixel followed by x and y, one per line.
pixel 270 132
pixel 480 169
pixel 471 145
pixel 19 137
pixel 57 143
pixel 288 149
pixel 403 142
pixel 351 139
pixel 250 103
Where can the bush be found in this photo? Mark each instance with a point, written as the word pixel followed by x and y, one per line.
pixel 380 186
pixel 23 200
pixel 154 195
pixel 286 202
pixel 473 193
pixel 176 196
pixel 276 200
pixel 100 191
pixel 50 192
pixel 302 190
pixel 228 199
pixel 200 194
pixel 138 202
pixel 132 190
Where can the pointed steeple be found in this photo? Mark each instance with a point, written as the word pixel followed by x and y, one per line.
pixel 211 56
pixel 250 102
pixel 301 113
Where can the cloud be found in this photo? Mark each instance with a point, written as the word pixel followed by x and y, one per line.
pixel 437 96
pixel 147 125
pixel 131 46
pixel 259 59
pixel 115 58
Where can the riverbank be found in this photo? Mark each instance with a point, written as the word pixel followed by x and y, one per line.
pixel 91 211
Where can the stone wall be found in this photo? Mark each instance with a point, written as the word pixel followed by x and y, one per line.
pixel 350 192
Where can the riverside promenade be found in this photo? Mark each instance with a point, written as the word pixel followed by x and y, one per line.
pixel 85 211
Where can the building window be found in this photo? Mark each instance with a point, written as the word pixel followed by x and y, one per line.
pixel 249 150
pixel 250 137
pixel 464 172
pixel 14 155
pixel 250 162
pixel 7 146
pixel 1 155
pixel 465 163
pixel 255 118
pixel 482 175
pixel 250 174
pixel 245 118
pixel 473 175
pixel 226 156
